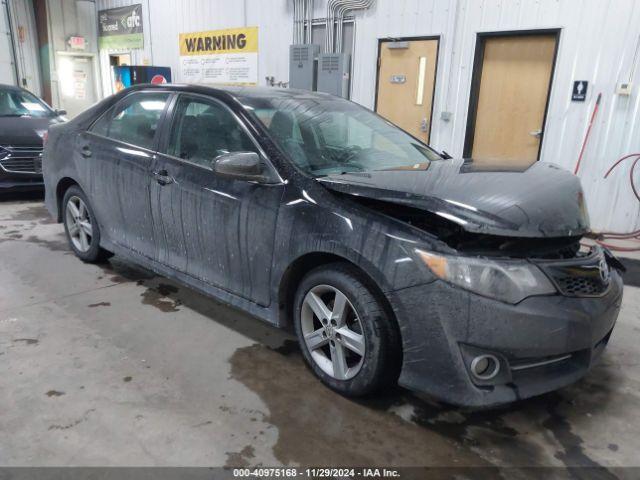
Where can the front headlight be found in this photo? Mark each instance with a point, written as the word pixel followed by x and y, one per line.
pixel 509 281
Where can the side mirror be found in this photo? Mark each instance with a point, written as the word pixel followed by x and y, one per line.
pixel 240 166
pixel 60 112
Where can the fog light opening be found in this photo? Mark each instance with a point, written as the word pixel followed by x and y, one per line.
pixel 485 367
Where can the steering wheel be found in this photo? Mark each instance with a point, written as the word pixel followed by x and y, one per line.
pixel 348 154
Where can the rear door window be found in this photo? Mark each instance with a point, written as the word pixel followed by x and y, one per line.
pixel 136 120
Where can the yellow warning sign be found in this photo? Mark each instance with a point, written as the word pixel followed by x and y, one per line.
pixel 232 40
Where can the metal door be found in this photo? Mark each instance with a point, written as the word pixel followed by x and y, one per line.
pixel 406 81
pixel 513 83
pixel 76 83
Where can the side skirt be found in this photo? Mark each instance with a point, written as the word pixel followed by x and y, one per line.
pixel 267 314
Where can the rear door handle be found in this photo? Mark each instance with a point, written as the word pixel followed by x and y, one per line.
pixel 85 151
pixel 536 133
pixel 163 177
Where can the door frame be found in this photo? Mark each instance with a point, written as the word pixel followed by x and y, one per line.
pixel 474 88
pixel 435 73
pixel 97 82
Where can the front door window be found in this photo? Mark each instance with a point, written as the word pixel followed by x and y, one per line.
pixel 203 130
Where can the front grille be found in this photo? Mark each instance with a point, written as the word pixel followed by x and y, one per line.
pixel 587 276
pixel 21 159
pixel 580 286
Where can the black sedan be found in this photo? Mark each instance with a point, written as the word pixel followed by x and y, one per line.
pixel 390 262
pixel 24 120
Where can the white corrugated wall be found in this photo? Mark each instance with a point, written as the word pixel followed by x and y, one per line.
pixel 598 42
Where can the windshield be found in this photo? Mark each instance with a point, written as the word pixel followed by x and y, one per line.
pixel 18 103
pixel 325 136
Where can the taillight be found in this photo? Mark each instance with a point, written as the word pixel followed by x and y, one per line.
pixel 45 137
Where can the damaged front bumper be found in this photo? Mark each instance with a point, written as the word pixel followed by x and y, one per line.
pixel 541 344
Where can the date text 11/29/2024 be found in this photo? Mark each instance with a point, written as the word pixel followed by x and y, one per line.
pixel 324 472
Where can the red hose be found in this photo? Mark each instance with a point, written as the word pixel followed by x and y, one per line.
pixel 619 161
pixel 618 248
pixel 631 236
pixel 633 184
pixel 621 236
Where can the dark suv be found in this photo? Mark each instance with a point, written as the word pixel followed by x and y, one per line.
pixel 24 119
pixel 390 262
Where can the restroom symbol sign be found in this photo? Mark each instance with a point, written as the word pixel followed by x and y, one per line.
pixel 579 93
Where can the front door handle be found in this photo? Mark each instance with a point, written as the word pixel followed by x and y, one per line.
pixel 163 177
pixel 536 133
pixel 85 151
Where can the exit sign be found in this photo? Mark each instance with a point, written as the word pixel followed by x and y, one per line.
pixel 77 43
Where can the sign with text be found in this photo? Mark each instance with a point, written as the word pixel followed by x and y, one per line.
pixel 120 28
pixel 220 56
pixel 579 92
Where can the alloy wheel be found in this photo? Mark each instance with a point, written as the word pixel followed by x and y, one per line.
pixel 333 332
pixel 78 223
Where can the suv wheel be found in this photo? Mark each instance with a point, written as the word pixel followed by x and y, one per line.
pixel 83 232
pixel 346 336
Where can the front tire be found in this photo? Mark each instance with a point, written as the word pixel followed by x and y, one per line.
pixel 348 339
pixel 81 227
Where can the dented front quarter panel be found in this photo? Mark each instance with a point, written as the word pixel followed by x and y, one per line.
pixel 313 220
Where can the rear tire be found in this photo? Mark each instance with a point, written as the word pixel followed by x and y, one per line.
pixel 81 227
pixel 346 336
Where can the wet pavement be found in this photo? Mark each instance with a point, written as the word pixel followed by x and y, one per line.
pixel 113 365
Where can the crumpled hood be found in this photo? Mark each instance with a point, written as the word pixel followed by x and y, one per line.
pixel 25 131
pixel 540 201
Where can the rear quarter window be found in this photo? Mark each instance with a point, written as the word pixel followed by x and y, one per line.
pixel 134 121
pixel 101 125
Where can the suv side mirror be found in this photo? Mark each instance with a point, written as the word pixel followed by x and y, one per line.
pixel 61 112
pixel 240 166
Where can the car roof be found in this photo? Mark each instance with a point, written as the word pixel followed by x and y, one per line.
pixel 236 91
pixel 4 86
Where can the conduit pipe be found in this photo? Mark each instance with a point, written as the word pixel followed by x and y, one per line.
pixel 309 21
pixel 296 6
pixel 330 22
pixel 302 17
pixel 345 7
pixel 336 11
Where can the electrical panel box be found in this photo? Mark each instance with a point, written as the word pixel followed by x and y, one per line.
pixel 302 66
pixel 334 73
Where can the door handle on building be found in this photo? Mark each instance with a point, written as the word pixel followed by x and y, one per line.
pixel 536 133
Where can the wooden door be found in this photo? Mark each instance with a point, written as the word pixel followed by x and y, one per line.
pixel 511 99
pixel 406 79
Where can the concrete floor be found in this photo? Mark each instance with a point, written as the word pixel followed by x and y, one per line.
pixel 112 365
